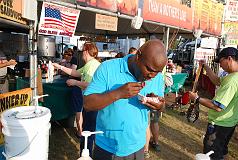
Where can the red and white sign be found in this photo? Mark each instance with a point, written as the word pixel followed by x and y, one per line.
pixel 202 53
pixel 168 12
pixel 231 10
pixel 58 20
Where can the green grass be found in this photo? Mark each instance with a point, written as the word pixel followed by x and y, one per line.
pixel 181 140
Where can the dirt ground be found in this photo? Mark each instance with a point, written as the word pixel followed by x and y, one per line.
pixel 179 139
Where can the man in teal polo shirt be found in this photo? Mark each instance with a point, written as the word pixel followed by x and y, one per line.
pixel 122 116
pixel 223 113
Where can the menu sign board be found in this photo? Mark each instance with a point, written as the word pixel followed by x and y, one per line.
pixel 231 30
pixel 231 10
pixel 106 22
pixel 208 16
pixel 12 10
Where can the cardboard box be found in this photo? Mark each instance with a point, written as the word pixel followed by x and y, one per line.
pixel 3 85
pixel 3 71
pixel 39 81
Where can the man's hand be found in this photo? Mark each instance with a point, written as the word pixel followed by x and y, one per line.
pixel 193 96
pixel 154 102
pixel 129 90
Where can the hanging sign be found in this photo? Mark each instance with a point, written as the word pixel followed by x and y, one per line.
pixel 122 6
pixel 58 20
pixel 209 42
pixel 168 12
pixel 203 53
pixel 208 16
pixel 231 33
pixel 12 10
pixel 106 22
pixel 231 10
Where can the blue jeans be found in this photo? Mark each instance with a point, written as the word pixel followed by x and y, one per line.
pixel 77 99
pixel 217 140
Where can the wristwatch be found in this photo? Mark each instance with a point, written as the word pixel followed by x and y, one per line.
pixel 197 99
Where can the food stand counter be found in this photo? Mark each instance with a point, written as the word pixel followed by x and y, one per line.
pixel 59 99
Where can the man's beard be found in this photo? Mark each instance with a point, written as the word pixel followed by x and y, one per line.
pixel 137 73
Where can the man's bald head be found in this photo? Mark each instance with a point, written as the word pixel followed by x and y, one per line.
pixel 150 59
pixel 153 49
pixel 154 52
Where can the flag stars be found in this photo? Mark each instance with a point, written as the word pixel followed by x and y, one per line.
pixel 52 13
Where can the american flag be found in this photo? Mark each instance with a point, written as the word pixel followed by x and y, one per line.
pixel 55 17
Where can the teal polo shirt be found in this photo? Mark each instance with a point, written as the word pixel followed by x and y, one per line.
pixel 123 122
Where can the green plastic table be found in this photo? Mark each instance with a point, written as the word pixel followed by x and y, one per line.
pixel 178 82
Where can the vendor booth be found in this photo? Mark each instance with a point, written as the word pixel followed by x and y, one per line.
pixel 94 19
pixel 114 19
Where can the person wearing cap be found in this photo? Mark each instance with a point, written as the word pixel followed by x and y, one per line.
pixel 222 116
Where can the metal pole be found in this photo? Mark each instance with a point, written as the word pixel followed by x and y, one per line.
pixel 127 45
pixel 77 43
pixel 166 43
pixel 194 55
pixel 197 34
pixel 166 38
pixel 62 47
pixel 195 49
pixel 33 60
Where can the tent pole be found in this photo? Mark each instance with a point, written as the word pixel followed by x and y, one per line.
pixel 127 45
pixel 33 60
pixel 62 47
pixel 166 38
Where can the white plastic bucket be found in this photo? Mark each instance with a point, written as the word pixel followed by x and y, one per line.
pixel 26 133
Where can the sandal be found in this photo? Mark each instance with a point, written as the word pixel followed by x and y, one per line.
pixel 146 154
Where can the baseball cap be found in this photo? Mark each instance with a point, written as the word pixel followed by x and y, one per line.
pixel 226 52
